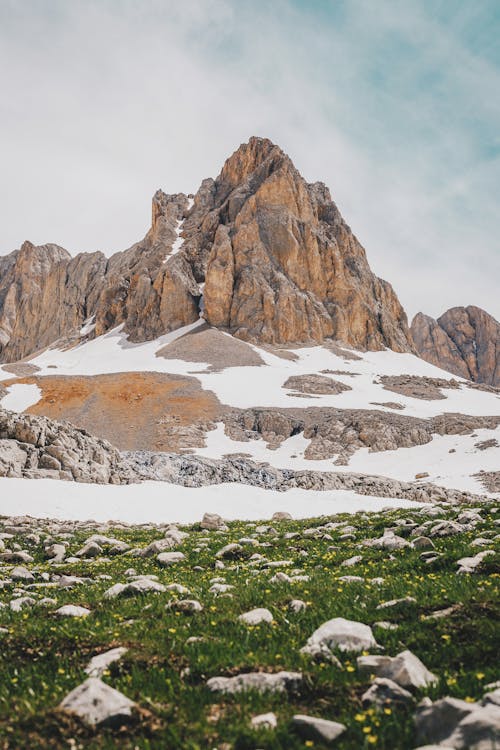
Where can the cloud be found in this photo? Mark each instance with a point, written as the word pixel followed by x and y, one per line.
pixel 392 105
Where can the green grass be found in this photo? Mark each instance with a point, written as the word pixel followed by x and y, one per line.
pixel 42 658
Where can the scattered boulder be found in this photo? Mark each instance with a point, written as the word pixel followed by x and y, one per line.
pixel 319 730
pixel 384 692
pixel 72 610
pixel 170 558
pixel 256 616
pixel 97 704
pixel 262 682
pixel 99 664
pixel 405 669
pixel 346 635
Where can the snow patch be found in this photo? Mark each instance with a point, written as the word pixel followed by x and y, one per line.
pixel 21 396
pixel 157 502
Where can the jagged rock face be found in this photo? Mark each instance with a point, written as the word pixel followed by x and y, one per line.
pixel 283 266
pixel 270 253
pixel 46 295
pixel 464 341
pixel 39 448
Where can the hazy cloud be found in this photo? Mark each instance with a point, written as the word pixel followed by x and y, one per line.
pixel 394 105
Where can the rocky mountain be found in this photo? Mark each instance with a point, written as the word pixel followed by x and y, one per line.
pixel 464 341
pixel 257 252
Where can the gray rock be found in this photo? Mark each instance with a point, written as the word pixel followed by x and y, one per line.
pixel 384 691
pixel 471 564
pixel 480 730
pixel 140 586
pixel 20 573
pixel 261 682
pixel 230 551
pixel 256 616
pixel 213 522
pixel 346 635
pixel 436 722
pixel 264 721
pixel 72 610
pixel 320 730
pixel 406 669
pixel 97 704
pixel 99 664
pixel 166 559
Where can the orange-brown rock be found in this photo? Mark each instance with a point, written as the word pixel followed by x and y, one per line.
pixel 282 265
pixel 270 253
pixel 464 341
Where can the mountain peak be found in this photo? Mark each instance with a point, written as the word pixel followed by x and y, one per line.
pixel 270 254
pixel 464 341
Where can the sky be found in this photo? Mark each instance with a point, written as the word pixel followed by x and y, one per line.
pixel 395 105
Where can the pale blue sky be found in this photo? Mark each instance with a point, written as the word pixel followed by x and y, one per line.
pixel 394 104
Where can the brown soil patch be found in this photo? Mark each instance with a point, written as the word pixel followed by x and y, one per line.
pixel 209 345
pixel 134 411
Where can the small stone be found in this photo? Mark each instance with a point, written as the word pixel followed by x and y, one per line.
pixel 256 616
pixel 72 610
pixel 384 691
pixel 188 606
pixel 170 558
pixel 264 721
pixel 99 664
pixel 397 602
pixel 297 605
pixel 261 682
pixel 213 522
pixel 20 573
pixel 320 730
pixel 346 635
pixel 281 515
pixel 230 551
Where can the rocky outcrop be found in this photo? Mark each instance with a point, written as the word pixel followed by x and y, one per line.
pixel 46 295
pixel 464 341
pixel 195 471
pixel 339 433
pixel 281 263
pixel 258 251
pixel 38 448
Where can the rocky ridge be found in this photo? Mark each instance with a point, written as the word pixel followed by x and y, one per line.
pixel 197 471
pixel 464 341
pixel 269 254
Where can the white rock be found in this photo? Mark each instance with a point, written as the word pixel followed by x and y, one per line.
pixel 261 682
pixel 406 669
pixel 170 558
pixel 470 564
pixel 99 664
pixel 346 635
pixel 322 730
pixel 256 616
pixel 72 610
pixel 264 721
pixel 97 704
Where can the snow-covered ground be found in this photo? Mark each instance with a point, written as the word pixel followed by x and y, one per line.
pixel 248 386
pixel 158 502
pixel 449 460
pixel 21 396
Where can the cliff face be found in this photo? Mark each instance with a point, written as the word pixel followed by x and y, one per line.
pixel 270 253
pixel 464 341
